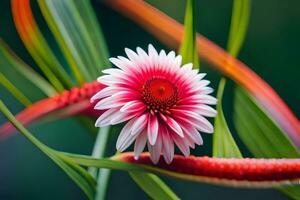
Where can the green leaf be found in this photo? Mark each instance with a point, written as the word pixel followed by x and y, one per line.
pixel 259 132
pixel 81 177
pixel 239 25
pixel 14 91
pixel 223 142
pixel 261 135
pixel 153 186
pixel 32 85
pixel 75 28
pixel 188 49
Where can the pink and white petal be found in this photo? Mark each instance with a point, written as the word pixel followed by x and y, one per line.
pixel 198 121
pixel 125 139
pixel 120 117
pixel 139 124
pixel 142 53
pixel 114 72
pixel 155 150
pixel 104 119
pixel 168 147
pixel 193 134
pixel 182 144
pixel 152 51
pixel 206 110
pixel 152 129
pixel 134 105
pixel 108 102
pixel 200 109
pixel 140 143
pixel 107 80
pixel 174 126
pixel 105 92
pixel 132 55
pixel 119 63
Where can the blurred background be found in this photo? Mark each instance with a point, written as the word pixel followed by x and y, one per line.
pixel 271 49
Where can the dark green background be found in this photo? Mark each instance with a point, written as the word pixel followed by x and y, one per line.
pixel 271 49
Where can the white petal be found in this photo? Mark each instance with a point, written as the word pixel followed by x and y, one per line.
pixel 132 55
pixel 182 144
pixel 140 144
pixel 168 147
pixel 132 106
pixel 139 124
pixel 125 139
pixel 104 119
pixel 103 93
pixel 152 129
pixel 152 51
pixel 174 126
pixel 155 150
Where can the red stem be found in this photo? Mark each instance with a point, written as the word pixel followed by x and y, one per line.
pixel 249 172
pixel 69 103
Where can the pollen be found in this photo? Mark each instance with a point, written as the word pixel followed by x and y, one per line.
pixel 159 95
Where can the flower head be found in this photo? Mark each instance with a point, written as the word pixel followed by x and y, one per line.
pixel 163 102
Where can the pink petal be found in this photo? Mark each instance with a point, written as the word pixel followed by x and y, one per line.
pixel 174 126
pixel 139 124
pixel 152 129
pixel 168 147
pixel 155 150
pixel 125 139
pixel 182 144
pixel 140 143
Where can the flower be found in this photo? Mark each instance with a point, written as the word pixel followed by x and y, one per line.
pixel 163 102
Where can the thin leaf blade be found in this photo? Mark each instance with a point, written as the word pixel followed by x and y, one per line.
pixel 153 186
pixel 188 48
pixel 223 142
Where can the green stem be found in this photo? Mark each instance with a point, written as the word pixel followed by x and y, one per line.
pixel 102 175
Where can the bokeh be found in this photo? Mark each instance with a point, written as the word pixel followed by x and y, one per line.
pixel 271 49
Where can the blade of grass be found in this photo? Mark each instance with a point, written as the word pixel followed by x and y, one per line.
pixel 27 80
pixel 153 186
pixel 239 25
pixel 223 142
pixel 188 48
pixel 101 175
pixel 14 91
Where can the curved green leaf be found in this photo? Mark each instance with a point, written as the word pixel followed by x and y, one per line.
pixel 14 91
pixel 32 85
pixel 239 25
pixel 223 142
pixel 153 186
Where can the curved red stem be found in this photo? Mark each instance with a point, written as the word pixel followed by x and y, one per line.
pixel 242 172
pixel 73 102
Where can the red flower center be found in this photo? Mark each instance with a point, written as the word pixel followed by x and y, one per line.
pixel 159 95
